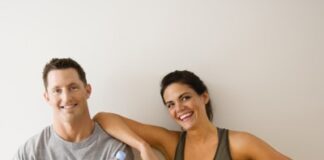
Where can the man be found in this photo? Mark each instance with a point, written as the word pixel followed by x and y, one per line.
pixel 73 134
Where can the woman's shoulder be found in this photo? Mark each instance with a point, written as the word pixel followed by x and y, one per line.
pixel 247 145
pixel 168 140
pixel 242 143
pixel 174 135
pixel 240 138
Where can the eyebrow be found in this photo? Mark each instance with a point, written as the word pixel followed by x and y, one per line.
pixel 69 85
pixel 72 84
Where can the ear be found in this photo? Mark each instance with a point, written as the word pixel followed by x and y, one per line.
pixel 45 95
pixel 88 90
pixel 205 97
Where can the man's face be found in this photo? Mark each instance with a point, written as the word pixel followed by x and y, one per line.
pixel 67 95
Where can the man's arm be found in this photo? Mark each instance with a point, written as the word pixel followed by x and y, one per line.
pixel 18 156
pixel 22 153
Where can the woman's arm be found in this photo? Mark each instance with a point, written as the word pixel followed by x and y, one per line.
pixel 138 135
pixel 251 147
pixel 147 152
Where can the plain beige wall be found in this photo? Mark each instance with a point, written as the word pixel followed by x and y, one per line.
pixel 262 61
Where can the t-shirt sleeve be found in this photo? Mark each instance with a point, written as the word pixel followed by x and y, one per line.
pixel 21 153
pixel 18 156
pixel 26 151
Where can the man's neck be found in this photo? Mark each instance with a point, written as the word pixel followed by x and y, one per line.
pixel 74 131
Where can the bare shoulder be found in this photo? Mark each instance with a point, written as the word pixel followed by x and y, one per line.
pixel 244 145
pixel 169 142
pixel 239 144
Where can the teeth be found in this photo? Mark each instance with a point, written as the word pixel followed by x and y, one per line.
pixel 68 107
pixel 185 115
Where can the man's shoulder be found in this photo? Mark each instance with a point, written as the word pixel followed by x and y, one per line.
pixel 34 144
pixel 40 137
pixel 106 136
pixel 112 144
pixel 36 141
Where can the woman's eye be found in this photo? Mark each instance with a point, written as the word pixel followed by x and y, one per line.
pixel 185 98
pixel 169 105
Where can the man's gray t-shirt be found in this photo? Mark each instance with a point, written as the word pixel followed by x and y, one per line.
pixel 49 146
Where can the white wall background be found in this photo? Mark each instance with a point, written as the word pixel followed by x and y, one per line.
pixel 262 61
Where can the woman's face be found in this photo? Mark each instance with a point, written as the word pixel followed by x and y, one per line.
pixel 185 106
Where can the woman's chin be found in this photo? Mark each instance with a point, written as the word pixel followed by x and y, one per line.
pixel 186 126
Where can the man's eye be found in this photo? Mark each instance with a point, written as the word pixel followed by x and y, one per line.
pixel 57 91
pixel 74 88
pixel 185 98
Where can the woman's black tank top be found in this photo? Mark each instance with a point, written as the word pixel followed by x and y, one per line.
pixel 222 152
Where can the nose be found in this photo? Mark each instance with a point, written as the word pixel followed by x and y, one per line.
pixel 179 106
pixel 66 96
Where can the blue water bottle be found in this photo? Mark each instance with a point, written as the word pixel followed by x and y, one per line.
pixel 120 155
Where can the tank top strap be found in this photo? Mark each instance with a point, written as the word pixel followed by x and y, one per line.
pixel 223 151
pixel 180 147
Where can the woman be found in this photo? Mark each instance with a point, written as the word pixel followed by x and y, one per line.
pixel 188 102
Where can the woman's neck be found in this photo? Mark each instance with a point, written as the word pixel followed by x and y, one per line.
pixel 203 131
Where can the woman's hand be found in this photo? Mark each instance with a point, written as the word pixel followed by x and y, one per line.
pixel 147 152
